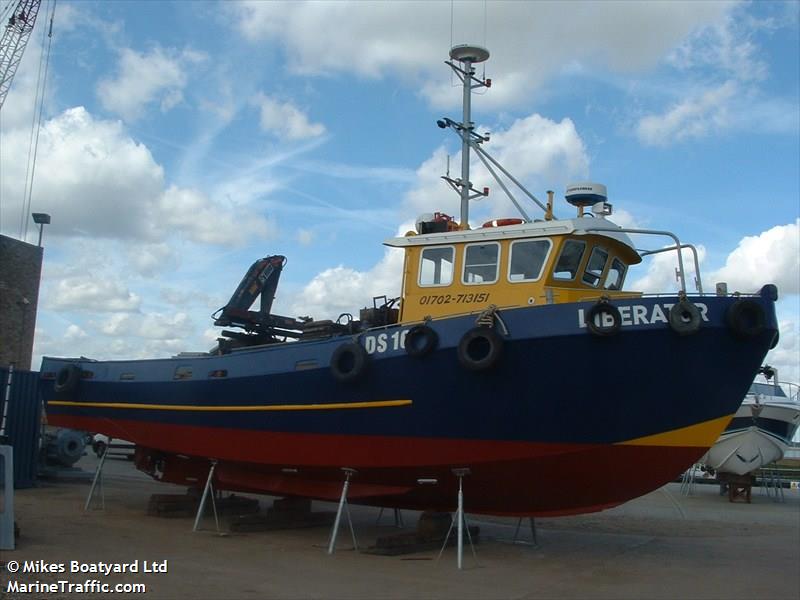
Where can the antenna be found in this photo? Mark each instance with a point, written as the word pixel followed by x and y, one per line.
pixel 468 56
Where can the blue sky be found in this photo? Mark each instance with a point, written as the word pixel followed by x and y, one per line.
pixel 183 140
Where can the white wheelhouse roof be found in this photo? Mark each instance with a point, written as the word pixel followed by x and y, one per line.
pixel 536 229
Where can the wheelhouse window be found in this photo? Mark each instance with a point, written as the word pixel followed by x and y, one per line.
pixel 595 266
pixel 436 266
pixel 527 259
pixel 616 275
pixel 570 260
pixel 481 263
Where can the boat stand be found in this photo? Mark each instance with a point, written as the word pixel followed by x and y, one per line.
pixel 343 507
pixel 209 488
pixel 398 518
pixel 687 481
pixel 772 483
pixel 462 522
pixel 97 482
pixel 516 540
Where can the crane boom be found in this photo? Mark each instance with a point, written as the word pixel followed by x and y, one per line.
pixel 15 38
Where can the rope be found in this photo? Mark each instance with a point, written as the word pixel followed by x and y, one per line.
pixel 486 318
pixel 41 85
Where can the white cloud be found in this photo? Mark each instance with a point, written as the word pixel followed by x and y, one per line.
pixel 342 289
pixel 786 355
pixel 202 221
pixel 305 237
pixel 720 69
pixel 91 177
pixel 723 45
pixel 691 118
pixel 410 38
pixel 98 182
pixel 74 332
pixel 770 257
pixel 150 259
pixel 152 326
pixel 144 78
pixel 93 294
pixel 660 276
pixel 285 119
pixel 534 149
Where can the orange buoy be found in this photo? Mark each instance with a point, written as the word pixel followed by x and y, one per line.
pixel 503 222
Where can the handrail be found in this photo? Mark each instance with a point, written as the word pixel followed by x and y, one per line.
pixel 697 281
pixel 677 246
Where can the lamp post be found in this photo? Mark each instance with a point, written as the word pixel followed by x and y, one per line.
pixel 41 219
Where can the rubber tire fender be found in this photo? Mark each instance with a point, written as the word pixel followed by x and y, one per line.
pixel 746 318
pixel 479 349
pixel 684 318
pixel 421 340
pixel 67 378
pixel 349 362
pixel 599 308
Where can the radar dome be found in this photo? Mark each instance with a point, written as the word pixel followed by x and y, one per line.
pixel 586 194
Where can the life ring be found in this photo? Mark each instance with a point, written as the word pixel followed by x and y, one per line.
pixel 746 318
pixel 479 349
pixel 420 341
pixel 503 222
pixel 602 330
pixel 348 362
pixel 684 318
pixel 67 378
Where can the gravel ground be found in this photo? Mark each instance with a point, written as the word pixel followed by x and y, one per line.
pixel 663 545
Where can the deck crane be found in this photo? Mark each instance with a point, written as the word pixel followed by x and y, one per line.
pixel 15 37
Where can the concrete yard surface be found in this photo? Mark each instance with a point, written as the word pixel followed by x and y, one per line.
pixel 663 545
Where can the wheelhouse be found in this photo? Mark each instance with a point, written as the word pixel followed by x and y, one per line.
pixel 525 264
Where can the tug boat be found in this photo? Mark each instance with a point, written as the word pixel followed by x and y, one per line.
pixel 760 432
pixel 514 362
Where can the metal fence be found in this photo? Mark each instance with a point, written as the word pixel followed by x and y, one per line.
pixel 20 421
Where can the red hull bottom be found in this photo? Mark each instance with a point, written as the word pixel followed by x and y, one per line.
pixel 505 478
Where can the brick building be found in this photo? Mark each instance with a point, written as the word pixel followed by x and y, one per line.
pixel 20 273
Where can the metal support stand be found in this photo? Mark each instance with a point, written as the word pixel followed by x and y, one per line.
pixel 398 518
pixel 98 482
pixel 343 506
pixel 772 483
pixel 209 488
pixel 687 481
pixel 462 522
pixel 535 541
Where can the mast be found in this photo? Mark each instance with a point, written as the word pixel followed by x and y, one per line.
pixel 467 56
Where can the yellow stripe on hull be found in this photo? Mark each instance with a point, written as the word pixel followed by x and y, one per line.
pixel 269 407
pixel 702 435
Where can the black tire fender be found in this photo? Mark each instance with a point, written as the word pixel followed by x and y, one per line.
pixel 684 318
pixel 479 349
pixel 746 318
pixel 604 307
pixel 421 340
pixel 67 378
pixel 349 362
